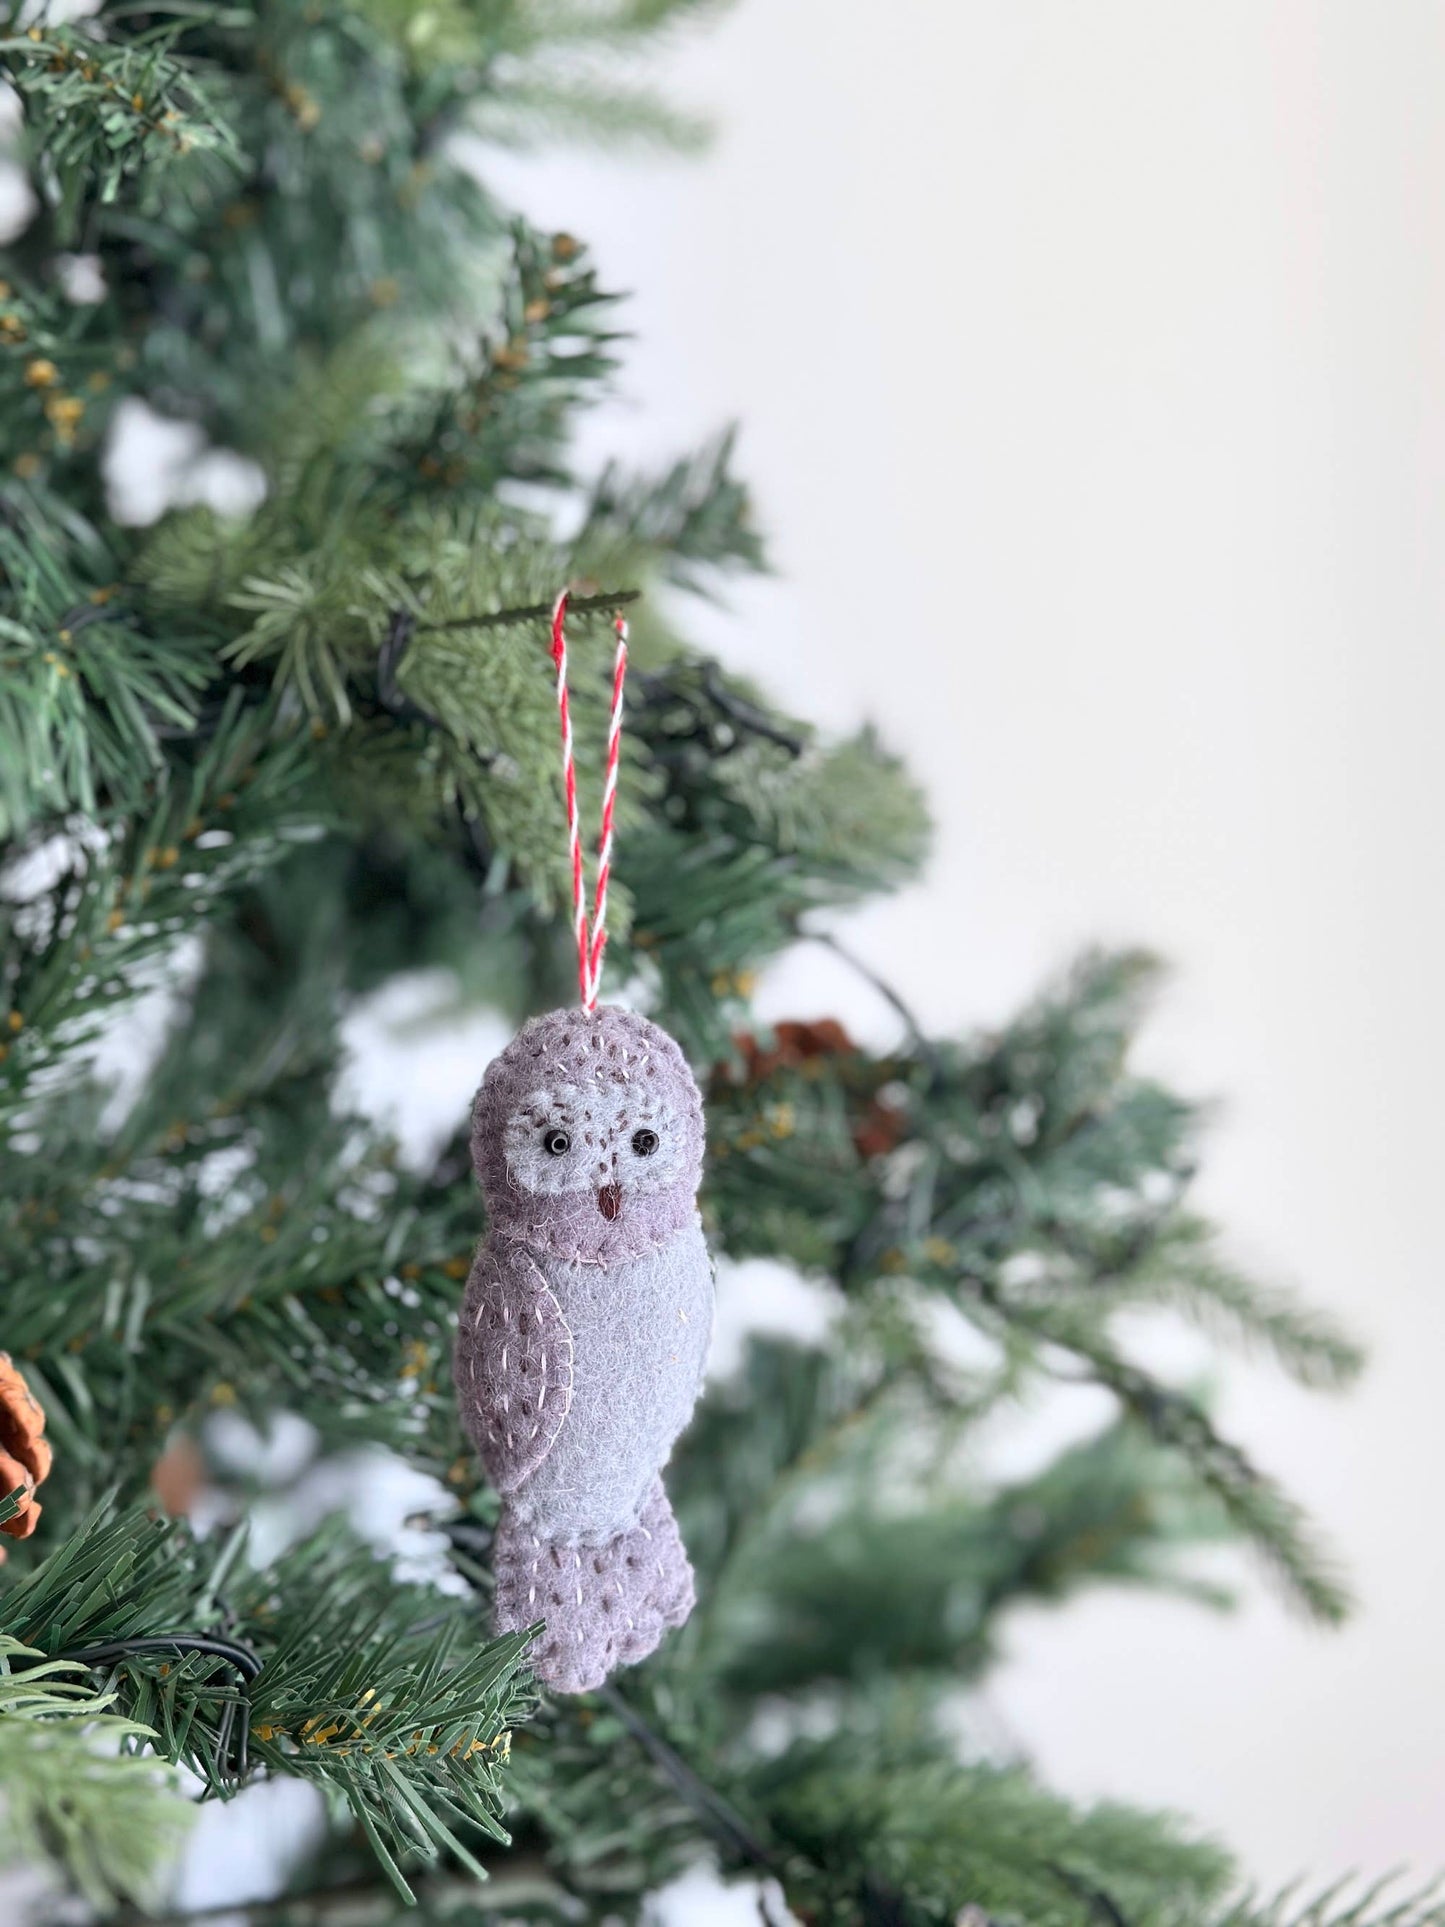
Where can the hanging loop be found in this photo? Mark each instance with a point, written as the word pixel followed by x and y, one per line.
pixel 591 938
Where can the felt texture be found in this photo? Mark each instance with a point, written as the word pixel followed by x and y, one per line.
pixel 513 1364
pixel 584 1331
pixel 601 1076
pixel 640 1333
pixel 605 1606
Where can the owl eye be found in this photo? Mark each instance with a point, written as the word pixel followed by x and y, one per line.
pixel 557 1144
pixel 644 1143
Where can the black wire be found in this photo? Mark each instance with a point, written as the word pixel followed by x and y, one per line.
pixel 399 632
pixel 236 1715
pixel 927 1050
pixel 745 714
pixel 722 1819
pixel 665 687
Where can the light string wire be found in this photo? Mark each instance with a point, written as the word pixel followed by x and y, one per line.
pixel 591 939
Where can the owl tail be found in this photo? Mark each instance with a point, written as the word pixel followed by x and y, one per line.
pixel 605 1606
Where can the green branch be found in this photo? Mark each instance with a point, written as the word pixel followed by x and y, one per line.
pixel 384 1694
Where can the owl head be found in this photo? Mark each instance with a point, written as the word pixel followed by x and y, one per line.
pixel 587 1136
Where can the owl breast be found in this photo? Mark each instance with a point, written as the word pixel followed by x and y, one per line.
pixel 640 1331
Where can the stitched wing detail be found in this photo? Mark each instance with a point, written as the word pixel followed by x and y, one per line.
pixel 513 1365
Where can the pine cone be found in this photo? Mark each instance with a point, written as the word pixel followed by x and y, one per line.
pixel 794 1043
pixel 179 1476
pixel 880 1128
pixel 24 1455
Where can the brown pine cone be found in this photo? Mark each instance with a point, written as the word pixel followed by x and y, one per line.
pixel 794 1043
pixel 24 1455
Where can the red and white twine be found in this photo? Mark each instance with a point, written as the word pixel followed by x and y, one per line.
pixel 591 942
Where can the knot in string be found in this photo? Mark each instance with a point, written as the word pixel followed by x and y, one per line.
pixel 591 942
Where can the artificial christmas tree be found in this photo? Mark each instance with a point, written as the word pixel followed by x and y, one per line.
pixel 271 761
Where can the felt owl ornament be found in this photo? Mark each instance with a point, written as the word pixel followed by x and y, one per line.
pixel 588 1311
pixel 584 1332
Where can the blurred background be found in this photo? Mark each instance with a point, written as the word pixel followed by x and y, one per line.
pixel 1111 489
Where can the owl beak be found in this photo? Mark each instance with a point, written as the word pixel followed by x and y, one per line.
pixel 609 1201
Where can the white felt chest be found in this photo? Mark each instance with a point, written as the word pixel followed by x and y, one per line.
pixel 640 1333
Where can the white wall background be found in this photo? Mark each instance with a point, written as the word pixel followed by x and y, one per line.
pixel 1092 360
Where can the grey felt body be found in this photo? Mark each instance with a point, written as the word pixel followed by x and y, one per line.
pixel 584 1332
pixel 604 1606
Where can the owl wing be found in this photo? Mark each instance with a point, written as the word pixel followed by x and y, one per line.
pixel 513 1366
